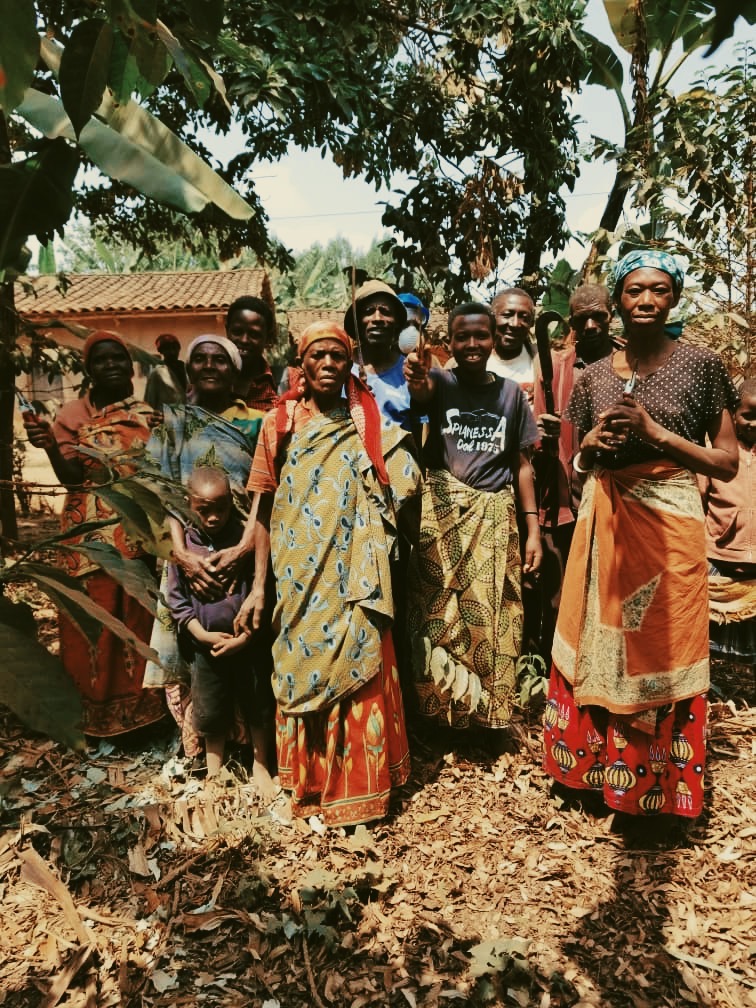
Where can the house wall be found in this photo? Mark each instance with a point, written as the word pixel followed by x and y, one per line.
pixel 140 330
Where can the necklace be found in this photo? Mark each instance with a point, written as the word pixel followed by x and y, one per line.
pixel 636 371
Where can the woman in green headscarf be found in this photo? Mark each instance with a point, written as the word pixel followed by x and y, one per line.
pixel 626 713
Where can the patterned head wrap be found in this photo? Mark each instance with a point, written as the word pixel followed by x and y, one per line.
pixel 223 342
pixel 360 400
pixel 652 259
pixel 101 336
pixel 648 259
pixel 320 331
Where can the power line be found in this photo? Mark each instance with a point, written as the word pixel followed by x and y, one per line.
pixel 365 213
pixel 337 213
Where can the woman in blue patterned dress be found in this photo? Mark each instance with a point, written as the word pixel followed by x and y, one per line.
pixel 218 430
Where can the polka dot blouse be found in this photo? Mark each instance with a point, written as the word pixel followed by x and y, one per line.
pixel 688 391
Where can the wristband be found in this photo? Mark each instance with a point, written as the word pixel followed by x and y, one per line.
pixel 529 512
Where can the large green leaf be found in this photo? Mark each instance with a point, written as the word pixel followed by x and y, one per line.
pixel 604 66
pixel 622 21
pixel 133 146
pixel 84 70
pixel 19 51
pixel 728 11
pixel 123 74
pixel 142 514
pixel 153 59
pixel 678 19
pixel 206 15
pixel 36 195
pixel 190 69
pixel 88 616
pixel 132 575
pixel 46 259
pixel 665 22
pixel 36 688
pixel 121 157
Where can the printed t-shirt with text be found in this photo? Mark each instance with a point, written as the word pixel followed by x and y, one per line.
pixel 477 431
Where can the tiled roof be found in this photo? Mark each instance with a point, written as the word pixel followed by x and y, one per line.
pixel 300 318
pixel 125 292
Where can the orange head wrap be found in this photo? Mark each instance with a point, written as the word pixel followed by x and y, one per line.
pixel 101 336
pixel 359 399
pixel 320 331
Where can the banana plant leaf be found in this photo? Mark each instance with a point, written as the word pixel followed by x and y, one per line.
pixel 90 618
pixel 84 69
pixel 129 144
pixel 116 156
pixel 35 195
pixel 19 51
pixel 59 539
pixel 145 525
pixel 143 502
pixel 35 686
pixel 131 574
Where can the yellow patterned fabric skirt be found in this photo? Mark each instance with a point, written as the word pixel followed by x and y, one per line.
pixel 465 603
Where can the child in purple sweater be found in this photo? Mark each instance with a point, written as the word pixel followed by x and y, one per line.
pixel 229 670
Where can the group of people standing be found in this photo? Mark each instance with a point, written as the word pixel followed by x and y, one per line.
pixel 389 531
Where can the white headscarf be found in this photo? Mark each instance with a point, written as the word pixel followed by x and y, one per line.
pixel 223 342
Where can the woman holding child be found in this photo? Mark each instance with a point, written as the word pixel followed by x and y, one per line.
pixel 216 430
pixel 626 713
pixel 330 481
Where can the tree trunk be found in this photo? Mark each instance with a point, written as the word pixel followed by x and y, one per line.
pixel 8 524
pixel 638 149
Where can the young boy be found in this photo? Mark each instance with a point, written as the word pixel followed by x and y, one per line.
pixel 465 610
pixel 228 669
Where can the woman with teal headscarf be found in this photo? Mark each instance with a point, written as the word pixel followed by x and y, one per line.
pixel 626 713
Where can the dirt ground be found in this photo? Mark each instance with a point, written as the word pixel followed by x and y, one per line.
pixel 124 885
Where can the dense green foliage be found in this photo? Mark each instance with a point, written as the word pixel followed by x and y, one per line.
pixel 447 93
pixel 471 102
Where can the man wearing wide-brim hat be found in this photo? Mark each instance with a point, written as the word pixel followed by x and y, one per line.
pixel 374 323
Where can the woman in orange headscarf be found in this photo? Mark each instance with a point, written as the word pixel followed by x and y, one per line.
pixel 110 421
pixel 329 478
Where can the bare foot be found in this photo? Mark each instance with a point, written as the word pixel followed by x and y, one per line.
pixel 264 782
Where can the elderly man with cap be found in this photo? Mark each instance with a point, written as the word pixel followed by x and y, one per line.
pixel 166 384
pixel 107 419
pixel 380 316
pixel 329 479
pixel 558 486
pixel 626 710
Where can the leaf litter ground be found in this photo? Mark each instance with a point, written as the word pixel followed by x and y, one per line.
pixel 124 885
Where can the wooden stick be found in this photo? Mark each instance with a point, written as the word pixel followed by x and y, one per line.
pixel 310 975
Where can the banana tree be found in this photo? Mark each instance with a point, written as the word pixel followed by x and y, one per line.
pixel 33 682
pixel 650 34
pixel 84 99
